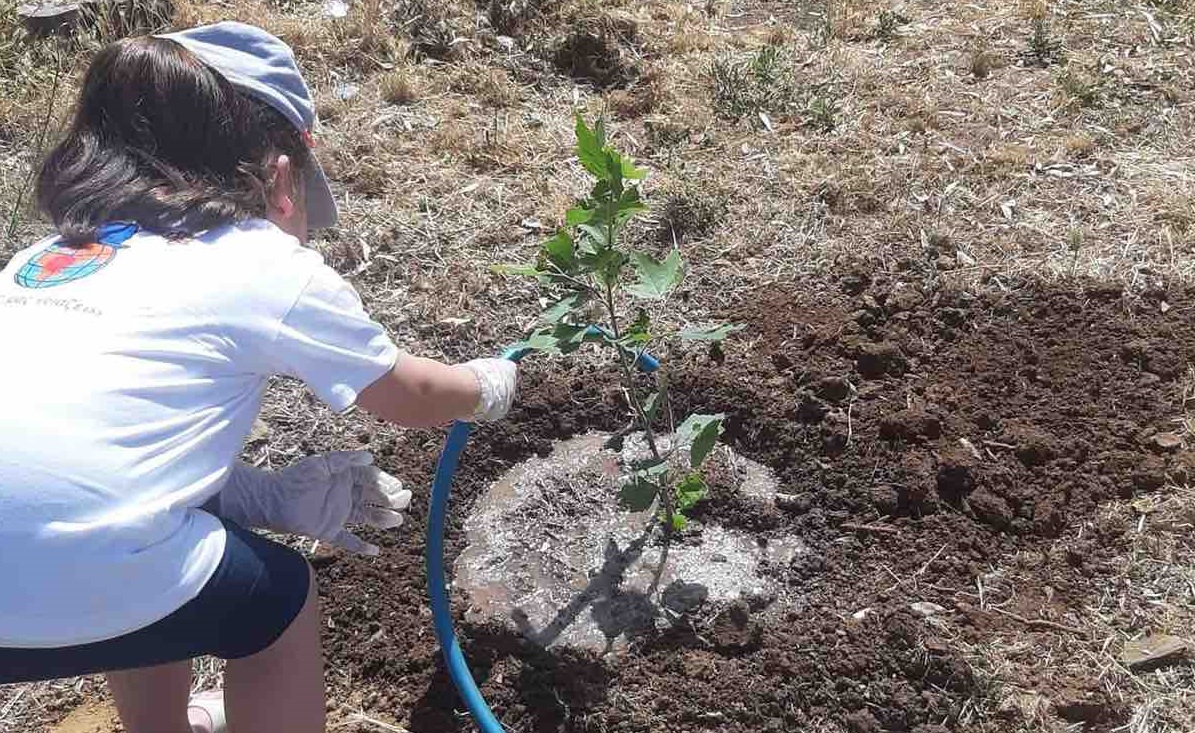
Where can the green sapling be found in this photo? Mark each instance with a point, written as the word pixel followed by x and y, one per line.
pixel 588 268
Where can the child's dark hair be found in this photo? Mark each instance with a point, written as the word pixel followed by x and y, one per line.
pixel 162 139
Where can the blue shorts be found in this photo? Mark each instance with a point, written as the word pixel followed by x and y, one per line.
pixel 256 592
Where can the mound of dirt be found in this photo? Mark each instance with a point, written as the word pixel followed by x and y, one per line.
pixel 953 431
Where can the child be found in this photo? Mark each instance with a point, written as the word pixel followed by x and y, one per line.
pixel 139 341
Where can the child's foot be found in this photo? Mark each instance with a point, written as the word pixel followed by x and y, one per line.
pixel 206 712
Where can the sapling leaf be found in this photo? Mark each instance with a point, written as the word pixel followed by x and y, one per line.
pixel 539 341
pixel 638 493
pixel 656 279
pixel 578 215
pixel 689 491
pixel 702 431
pixel 563 307
pixel 597 233
pixel 607 264
pixel 569 337
pixel 561 252
pixel 631 172
pixel 679 522
pixel 650 467
pixel 613 169
pixel 709 333
pixel 590 148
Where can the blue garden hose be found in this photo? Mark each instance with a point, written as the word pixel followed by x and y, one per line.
pixel 437 582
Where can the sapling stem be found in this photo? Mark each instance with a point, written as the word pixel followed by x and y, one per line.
pixel 628 378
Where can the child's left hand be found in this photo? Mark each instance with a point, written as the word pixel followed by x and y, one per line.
pixel 316 496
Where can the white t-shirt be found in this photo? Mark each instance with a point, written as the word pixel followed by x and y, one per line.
pixel 127 388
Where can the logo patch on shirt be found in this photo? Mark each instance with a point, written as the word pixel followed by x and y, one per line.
pixel 59 264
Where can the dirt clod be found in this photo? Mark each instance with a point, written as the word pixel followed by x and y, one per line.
pixel 1167 442
pixel 878 360
pixel 911 425
pixel 832 389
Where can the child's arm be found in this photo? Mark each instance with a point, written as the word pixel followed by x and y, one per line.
pixel 420 393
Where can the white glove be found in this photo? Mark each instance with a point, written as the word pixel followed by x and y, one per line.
pixel 497 379
pixel 316 496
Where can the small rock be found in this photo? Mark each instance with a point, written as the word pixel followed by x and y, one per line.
pixel 926 609
pixel 990 509
pixel 1155 651
pixel 260 432
pixel 1166 442
pixel 505 43
pixel 799 503
pixel 861 614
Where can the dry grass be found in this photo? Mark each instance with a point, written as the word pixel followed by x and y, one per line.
pixel 456 153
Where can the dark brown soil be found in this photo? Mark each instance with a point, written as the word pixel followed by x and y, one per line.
pixel 966 427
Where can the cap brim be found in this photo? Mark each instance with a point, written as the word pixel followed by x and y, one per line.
pixel 321 206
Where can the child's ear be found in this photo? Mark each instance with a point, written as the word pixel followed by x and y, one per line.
pixel 283 185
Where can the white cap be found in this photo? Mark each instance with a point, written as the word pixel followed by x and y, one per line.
pixel 262 65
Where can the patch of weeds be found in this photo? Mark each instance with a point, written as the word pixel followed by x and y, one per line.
pixel 597 50
pixel 399 87
pixel 691 211
pixel 732 88
pixel 1079 145
pixel 482 147
pixel 1082 88
pixel 765 83
pixel 983 61
pixel 1043 49
pixel 665 135
pixel 888 25
pixel 492 86
pixel 745 87
pixel 822 113
pixel 1169 6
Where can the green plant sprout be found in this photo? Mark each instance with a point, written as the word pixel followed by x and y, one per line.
pixel 595 281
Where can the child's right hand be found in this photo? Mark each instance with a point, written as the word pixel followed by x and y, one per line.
pixel 420 393
pixel 497 379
